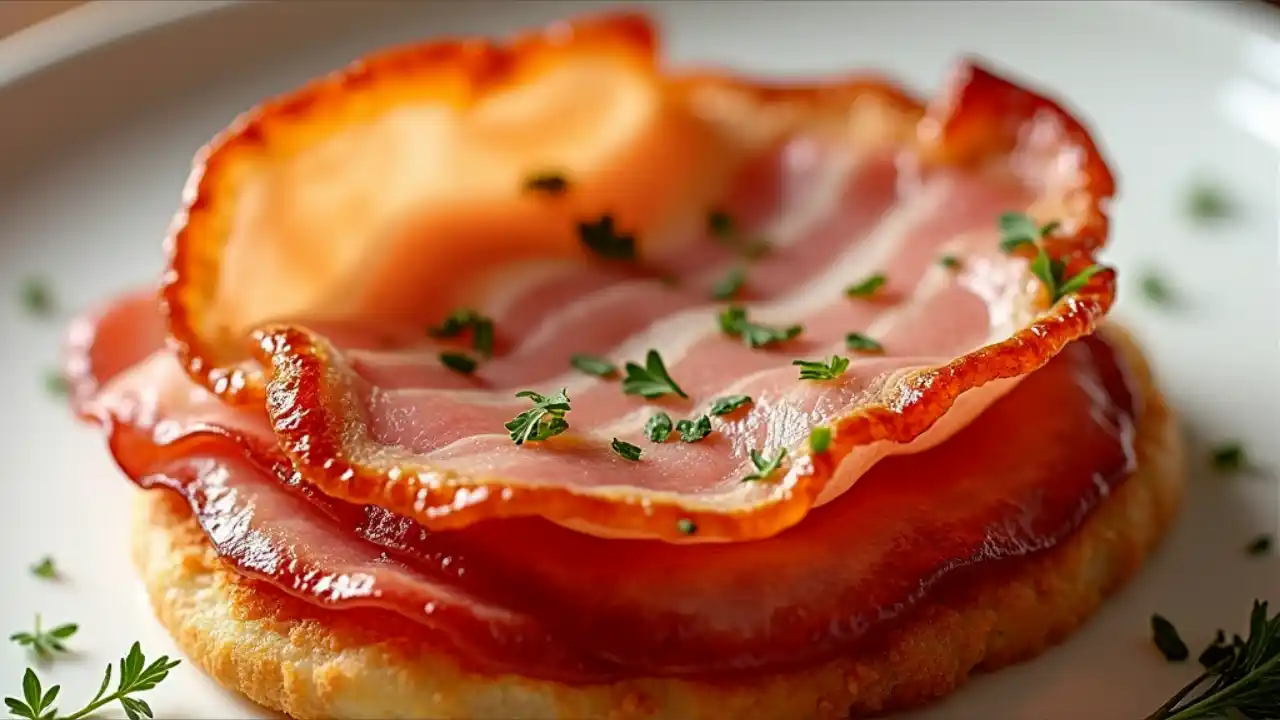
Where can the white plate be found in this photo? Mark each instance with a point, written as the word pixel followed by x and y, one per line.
pixel 94 149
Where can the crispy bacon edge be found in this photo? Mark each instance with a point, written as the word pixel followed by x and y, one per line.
pixel 979 116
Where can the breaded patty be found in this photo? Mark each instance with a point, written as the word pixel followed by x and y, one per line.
pixel 311 663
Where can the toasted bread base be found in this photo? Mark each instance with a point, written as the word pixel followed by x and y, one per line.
pixel 289 657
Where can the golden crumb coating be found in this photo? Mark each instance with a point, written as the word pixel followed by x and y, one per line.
pixel 311 663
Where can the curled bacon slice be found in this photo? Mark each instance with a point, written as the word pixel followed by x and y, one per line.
pixel 334 224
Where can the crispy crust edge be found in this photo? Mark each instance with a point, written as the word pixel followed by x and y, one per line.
pixel 299 665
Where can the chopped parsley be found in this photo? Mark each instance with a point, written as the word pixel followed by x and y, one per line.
pixel 722 227
pixel 542 421
pixel 45 569
pixel 1167 641
pixel 728 403
pixel 720 224
pixel 686 526
pixel 463 319
pixel 603 239
pixel 729 285
pixel 765 467
pixel 867 286
pixel 593 365
pixel 1155 289
pixel 822 369
pixel 45 643
pixel 1260 546
pixel 37 297
pixel 1208 202
pixel 550 183
pixel 857 342
pixel 694 430
pixel 1018 229
pixel 658 428
pixel 56 383
pixel 950 262
pixel 650 381
pixel 819 439
pixel 734 323
pixel 1228 457
pixel 458 362
pixel 626 450
pixel 1052 272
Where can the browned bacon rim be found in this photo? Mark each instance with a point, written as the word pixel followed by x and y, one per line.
pixel 980 121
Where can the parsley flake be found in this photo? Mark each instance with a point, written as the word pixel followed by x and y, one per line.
pixel 950 262
pixel 544 420
pixel 1155 289
pixel 56 383
pixel 1208 202
pixel 765 466
pixel 729 403
pixel 734 323
pixel 604 240
pixel 1260 546
pixel 593 365
pixel 45 569
pixel 857 342
pixel 729 285
pixel 822 370
pixel 650 381
pixel 458 362
pixel 819 439
pixel 686 526
pixel 463 319
pixel 866 287
pixel 1229 457
pixel 626 450
pixel 692 431
pixel 1167 641
pixel 658 428
pixel 549 183
pixel 45 643
pixel 1018 229
pixel 1052 273
pixel 37 297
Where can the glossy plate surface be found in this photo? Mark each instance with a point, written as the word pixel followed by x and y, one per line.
pixel 101 110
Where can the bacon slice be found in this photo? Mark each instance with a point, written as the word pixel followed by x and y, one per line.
pixel 326 229
pixel 502 598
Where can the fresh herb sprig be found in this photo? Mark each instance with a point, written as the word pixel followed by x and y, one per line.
pixel 1018 230
pixel 734 323
pixel 542 421
pixel 45 569
pixel 765 466
pixel 729 403
pixel 45 643
pixel 866 287
pixel 694 430
pixel 136 676
pixel 829 369
pixel 651 380
pixel 593 365
pixel 1243 680
pixel 459 321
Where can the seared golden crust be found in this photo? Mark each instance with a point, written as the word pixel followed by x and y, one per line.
pixel 285 656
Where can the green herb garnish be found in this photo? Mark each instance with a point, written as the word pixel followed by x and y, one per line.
pixel 722 227
pixel 734 323
pixel 56 383
pixel 37 297
pixel 729 285
pixel 45 643
pixel 544 420
pixel 45 569
pixel 460 321
pixel 728 403
pixel 458 362
pixel 626 450
pixel 1260 546
pixel 551 183
pixel 1228 457
pixel 1242 682
pixel 603 239
pixel 686 526
pixel 135 675
pixel 1018 229
pixel 1155 289
pixel 867 286
pixel 950 262
pixel 857 342
pixel 1052 272
pixel 765 466
pixel 650 381
pixel 819 439
pixel 1208 202
pixel 1167 640
pixel 593 365
pixel 658 428
pixel 822 369
pixel 720 224
pixel 694 430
